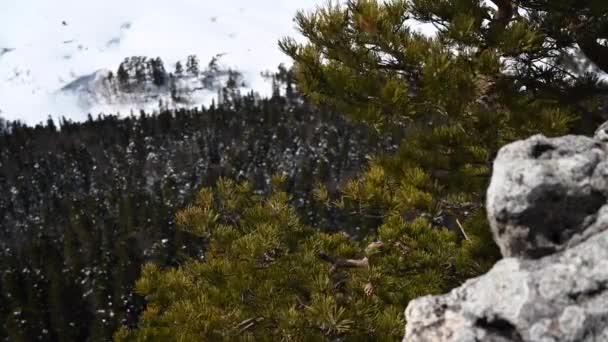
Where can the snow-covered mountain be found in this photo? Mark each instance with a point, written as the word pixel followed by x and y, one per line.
pixel 144 83
pixel 55 55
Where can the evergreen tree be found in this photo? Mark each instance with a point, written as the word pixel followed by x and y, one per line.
pixel 86 205
pixel 123 75
pixel 179 69
pixel 192 65
pixel 173 88
pixel 159 73
pixel 230 93
pixel 266 277
pixel 274 82
pixel 286 77
pixel 413 223
pixel 50 124
pixel 142 69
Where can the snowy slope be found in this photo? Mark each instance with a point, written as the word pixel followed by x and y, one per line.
pixel 46 45
pixel 103 92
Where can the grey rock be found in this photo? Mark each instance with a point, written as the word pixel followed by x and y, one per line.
pixel 545 194
pixel 601 133
pixel 561 297
pixel 547 208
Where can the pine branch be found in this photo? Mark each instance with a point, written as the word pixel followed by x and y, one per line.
pixel 349 263
pixel 499 22
pixel 588 44
pixel 596 52
pixel 338 263
pixel 248 323
pixel 464 234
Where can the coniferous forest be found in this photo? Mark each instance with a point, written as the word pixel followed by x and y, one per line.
pixel 313 215
pixel 87 203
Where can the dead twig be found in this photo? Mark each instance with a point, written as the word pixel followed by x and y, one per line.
pixel 248 323
pixel 466 237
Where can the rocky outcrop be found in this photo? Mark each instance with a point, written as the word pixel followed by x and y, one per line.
pixel 547 206
pixel 562 297
pixel 545 193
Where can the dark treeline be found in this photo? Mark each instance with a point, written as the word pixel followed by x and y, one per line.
pixel 140 74
pixel 83 205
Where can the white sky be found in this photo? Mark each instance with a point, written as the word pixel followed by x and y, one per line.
pixel 49 54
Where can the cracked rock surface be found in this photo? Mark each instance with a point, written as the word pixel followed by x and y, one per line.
pixel 547 208
pixel 561 297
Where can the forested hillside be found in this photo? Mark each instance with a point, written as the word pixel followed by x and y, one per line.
pixel 143 82
pixel 494 72
pixel 85 204
pixel 315 215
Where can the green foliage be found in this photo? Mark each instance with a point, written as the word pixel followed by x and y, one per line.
pixel 263 276
pixel 88 204
pixel 456 97
pixel 365 59
pixel 413 222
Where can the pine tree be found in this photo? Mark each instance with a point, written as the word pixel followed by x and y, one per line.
pixel 266 277
pixel 413 223
pixel 142 70
pixel 173 88
pixel 50 124
pixel 159 74
pixel 123 75
pixel 93 217
pixel 179 69
pixel 456 98
pixel 230 93
pixel 193 65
